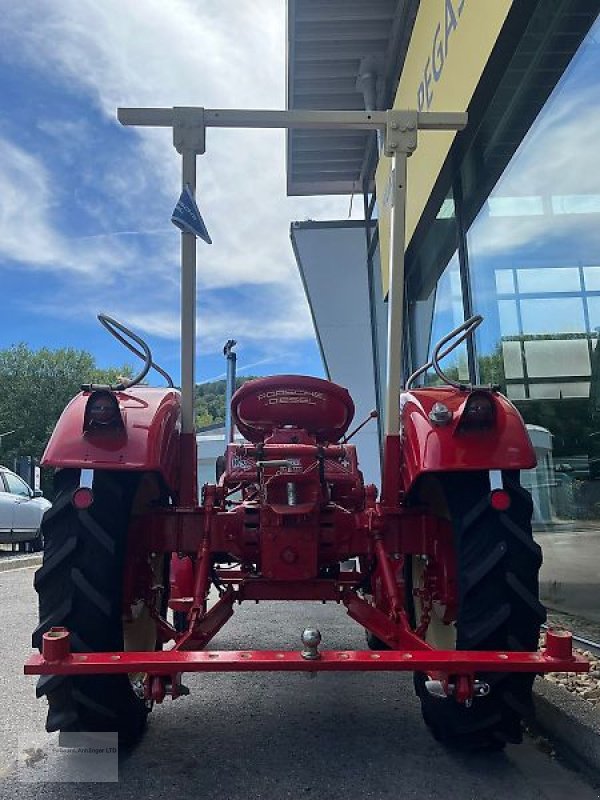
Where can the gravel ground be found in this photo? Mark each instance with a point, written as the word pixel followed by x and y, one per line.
pixel 586 686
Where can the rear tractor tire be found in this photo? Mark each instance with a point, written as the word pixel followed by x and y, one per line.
pixel 80 586
pixel 497 563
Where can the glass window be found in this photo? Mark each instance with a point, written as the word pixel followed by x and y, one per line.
pixel 16 485
pixel 557 279
pixel 553 358
pixel 592 278
pixel 593 304
pixel 535 276
pixel 553 315
pixel 505 281
pixel 434 293
pixel 447 314
pixel 513 359
pixel 576 204
pixel 515 206
pixel 421 316
pixel 515 391
pixel 556 391
pixel 509 318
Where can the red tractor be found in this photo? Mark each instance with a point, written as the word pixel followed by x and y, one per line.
pixel 445 570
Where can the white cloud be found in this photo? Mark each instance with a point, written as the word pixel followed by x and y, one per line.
pixel 217 53
pixel 293 325
pixel 553 160
pixel 28 233
pixel 156 53
pixel 269 319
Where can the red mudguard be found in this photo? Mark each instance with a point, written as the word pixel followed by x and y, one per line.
pixel 427 447
pixel 147 441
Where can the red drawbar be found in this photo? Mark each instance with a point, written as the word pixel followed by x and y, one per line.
pixel 165 662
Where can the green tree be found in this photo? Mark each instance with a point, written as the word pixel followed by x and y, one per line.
pixel 491 368
pixel 35 386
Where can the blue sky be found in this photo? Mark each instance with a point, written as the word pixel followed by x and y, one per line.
pixel 85 204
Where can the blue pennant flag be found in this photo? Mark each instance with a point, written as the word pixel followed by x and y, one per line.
pixel 187 217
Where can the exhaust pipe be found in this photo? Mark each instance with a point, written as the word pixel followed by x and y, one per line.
pixel 229 388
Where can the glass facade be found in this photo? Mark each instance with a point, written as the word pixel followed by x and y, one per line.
pixel 448 313
pixel 530 264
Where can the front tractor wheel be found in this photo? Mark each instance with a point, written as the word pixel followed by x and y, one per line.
pixel 80 587
pixel 497 565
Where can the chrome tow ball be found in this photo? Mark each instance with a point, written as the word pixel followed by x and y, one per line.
pixel 311 639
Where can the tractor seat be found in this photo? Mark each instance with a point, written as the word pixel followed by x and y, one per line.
pixel 323 409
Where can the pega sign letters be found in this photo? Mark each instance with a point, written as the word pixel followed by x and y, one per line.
pixel 434 66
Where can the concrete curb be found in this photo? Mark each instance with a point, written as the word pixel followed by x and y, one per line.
pixel 569 721
pixel 18 562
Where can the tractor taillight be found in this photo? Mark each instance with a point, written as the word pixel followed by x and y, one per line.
pixel 102 411
pixel 500 500
pixel 479 412
pixel 82 498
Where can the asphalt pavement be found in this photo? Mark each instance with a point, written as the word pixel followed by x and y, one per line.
pixel 270 736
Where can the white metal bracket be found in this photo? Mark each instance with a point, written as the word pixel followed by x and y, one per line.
pixel 400 132
pixel 189 129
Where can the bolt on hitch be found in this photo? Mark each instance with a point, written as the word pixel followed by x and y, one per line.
pixel 157 687
pixel 464 690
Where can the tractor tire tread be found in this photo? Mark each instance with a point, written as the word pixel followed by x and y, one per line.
pixel 79 587
pixel 498 564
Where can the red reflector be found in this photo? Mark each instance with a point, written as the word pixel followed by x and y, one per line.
pixel 500 500
pixel 82 498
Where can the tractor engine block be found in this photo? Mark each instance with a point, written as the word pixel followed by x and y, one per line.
pixel 299 489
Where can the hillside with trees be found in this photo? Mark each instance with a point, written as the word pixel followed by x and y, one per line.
pixel 35 386
pixel 210 401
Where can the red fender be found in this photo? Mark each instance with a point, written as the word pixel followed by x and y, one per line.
pixel 148 439
pixel 427 447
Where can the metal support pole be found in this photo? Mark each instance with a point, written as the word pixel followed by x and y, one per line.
pixel 400 143
pixel 189 141
pixel 395 295
pixel 188 305
pixel 229 388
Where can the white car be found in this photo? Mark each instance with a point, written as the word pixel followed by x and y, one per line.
pixel 21 511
